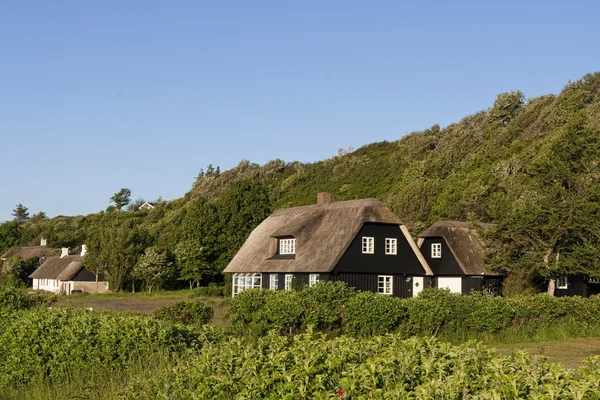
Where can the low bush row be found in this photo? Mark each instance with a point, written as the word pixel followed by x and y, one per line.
pixel 193 312
pixel 12 299
pixel 309 366
pixel 212 290
pixel 334 307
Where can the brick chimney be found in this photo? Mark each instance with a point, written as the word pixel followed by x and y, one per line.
pixel 324 198
pixel 43 242
pixel 65 252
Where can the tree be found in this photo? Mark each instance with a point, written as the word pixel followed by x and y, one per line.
pixel 20 213
pixel 192 261
pixel 10 234
pixel 153 268
pixel 121 198
pixel 114 247
pixel 243 206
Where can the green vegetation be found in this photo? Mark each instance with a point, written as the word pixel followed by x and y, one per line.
pixel 313 367
pixel 194 312
pixel 334 307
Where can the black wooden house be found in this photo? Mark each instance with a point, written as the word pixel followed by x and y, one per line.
pixel 359 242
pixel 456 255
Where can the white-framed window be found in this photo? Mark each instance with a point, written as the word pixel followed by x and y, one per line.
pixel 274 281
pixel 385 284
pixel 593 279
pixel 562 283
pixel 288 281
pixel 243 282
pixel 287 246
pixel 391 246
pixel 313 279
pixel 368 245
pixel 436 250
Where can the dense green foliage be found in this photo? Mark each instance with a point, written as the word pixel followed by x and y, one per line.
pixel 193 312
pixel 12 300
pixel 528 165
pixel 51 344
pixel 212 290
pixel 313 367
pixel 333 307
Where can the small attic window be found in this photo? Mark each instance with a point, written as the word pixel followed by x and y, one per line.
pixel 287 246
pixel 436 250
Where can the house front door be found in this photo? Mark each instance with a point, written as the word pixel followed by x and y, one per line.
pixel 417 285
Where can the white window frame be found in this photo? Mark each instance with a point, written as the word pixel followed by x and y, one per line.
pixel 562 282
pixel 241 282
pixel 287 246
pixel 436 250
pixel 385 284
pixel 368 245
pixel 391 246
pixel 313 279
pixel 274 281
pixel 289 278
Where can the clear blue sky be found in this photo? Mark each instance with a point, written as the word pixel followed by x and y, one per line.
pixel 99 95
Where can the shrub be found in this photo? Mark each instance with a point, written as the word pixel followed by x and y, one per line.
pixel 12 299
pixel 333 307
pixel 194 312
pixel 212 290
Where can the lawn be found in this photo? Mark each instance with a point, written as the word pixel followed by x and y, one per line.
pixel 569 352
pixel 144 303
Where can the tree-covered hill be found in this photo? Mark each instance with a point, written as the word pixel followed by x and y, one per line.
pixel 531 166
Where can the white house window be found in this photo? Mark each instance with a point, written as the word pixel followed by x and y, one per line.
pixel 288 281
pixel 368 245
pixel 287 246
pixel 313 279
pixel 562 283
pixel 436 250
pixel 274 281
pixel 385 284
pixel 391 246
pixel 243 282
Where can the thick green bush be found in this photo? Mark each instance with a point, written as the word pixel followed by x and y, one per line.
pixel 193 312
pixel 49 343
pixel 332 307
pixel 12 299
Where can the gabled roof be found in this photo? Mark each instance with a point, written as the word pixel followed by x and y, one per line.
pixel 323 232
pixel 146 206
pixel 464 242
pixel 62 269
pixel 28 252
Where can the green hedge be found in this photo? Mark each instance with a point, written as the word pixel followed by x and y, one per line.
pixel 193 312
pixel 334 307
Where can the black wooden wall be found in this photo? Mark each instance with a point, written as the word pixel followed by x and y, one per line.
pixel 404 262
pixel 86 276
pixel 447 264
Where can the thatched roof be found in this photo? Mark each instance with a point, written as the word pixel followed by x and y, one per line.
pixel 62 269
pixel 464 242
pixel 323 232
pixel 28 252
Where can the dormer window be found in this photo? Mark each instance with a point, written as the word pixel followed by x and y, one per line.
pixel 436 250
pixel 287 246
